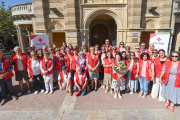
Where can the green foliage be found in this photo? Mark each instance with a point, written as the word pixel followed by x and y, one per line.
pixel 6 26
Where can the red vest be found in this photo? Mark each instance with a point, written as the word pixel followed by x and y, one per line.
pixel 24 59
pixel 97 53
pixel 159 66
pixel 108 70
pixel 133 71
pixel 61 76
pixel 79 62
pixel 67 60
pixel 93 63
pixel 146 50
pixel 118 49
pixel 114 75
pixel 148 66
pixel 6 62
pixel 48 66
pixel 73 63
pixel 29 53
pixel 30 67
pixel 57 63
pixel 110 46
pixel 83 77
pixel 166 74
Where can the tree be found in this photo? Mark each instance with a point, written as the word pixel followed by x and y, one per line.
pixel 6 26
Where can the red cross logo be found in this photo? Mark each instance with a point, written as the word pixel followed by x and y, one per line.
pixel 159 39
pixel 40 40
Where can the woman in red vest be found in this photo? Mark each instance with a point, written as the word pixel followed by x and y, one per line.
pixel 63 52
pixel 171 79
pixel 128 51
pixel 133 70
pixel 137 48
pixel 121 47
pixel 71 48
pixel 46 66
pixel 97 51
pixel 58 64
pixel 85 50
pixel 114 51
pixel 74 58
pixel 101 71
pixel 93 62
pixel 64 45
pixel 67 58
pixel 146 73
pixel 159 63
pixel 35 72
pixel 40 54
pixel 80 80
pixel 107 64
pixel 118 87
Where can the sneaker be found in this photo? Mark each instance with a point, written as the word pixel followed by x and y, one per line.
pixel 3 102
pixel 120 97
pixel 51 92
pixel 42 90
pixel 106 91
pixel 131 93
pixel 111 92
pixel 47 91
pixel 14 97
pixel 36 92
pixel 20 93
pixel 29 91
pixel 115 96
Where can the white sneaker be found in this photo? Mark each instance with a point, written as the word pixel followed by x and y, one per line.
pixel 51 92
pixel 46 91
pixel 112 92
pixel 36 92
pixel 115 96
pixel 120 97
pixel 42 90
pixel 29 91
pixel 131 93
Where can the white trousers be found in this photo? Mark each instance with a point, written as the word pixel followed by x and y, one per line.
pixel 156 89
pixel 50 82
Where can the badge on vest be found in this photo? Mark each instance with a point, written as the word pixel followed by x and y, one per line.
pixel 7 60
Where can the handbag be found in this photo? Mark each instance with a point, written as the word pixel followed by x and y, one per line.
pixel 47 79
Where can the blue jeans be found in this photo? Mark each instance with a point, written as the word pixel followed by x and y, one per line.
pixel 82 92
pixel 8 82
pixel 144 85
pixel 35 81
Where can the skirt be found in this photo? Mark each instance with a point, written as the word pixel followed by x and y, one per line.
pixel 107 79
pixel 117 86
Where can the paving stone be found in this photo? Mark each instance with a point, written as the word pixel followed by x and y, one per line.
pixel 164 115
pixel 97 115
pixel 33 115
pixel 147 115
pixel 68 103
pixel 130 115
pixel 114 115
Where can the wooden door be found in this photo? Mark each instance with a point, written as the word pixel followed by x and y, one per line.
pixel 145 37
pixel 59 38
pixel 99 34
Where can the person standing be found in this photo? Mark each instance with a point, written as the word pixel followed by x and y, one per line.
pixel 97 51
pixel 137 48
pixel 83 45
pixel 114 51
pixel 121 47
pixel 81 61
pixel 170 75
pixel 74 58
pixel 35 72
pixel 146 73
pixel 45 48
pixel 6 78
pixel 93 67
pixel 143 50
pixel 46 66
pixel 114 42
pixel 32 47
pixel 19 61
pixel 40 54
pixel 101 71
pixel 157 87
pixel 54 45
pixel 68 58
pixel 151 48
pixel 128 51
pixel 107 44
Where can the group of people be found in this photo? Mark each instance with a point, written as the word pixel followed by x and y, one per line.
pixel 78 70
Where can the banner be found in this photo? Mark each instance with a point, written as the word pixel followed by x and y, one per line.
pixel 39 41
pixel 160 41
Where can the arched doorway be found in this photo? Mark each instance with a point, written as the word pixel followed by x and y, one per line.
pixel 99 34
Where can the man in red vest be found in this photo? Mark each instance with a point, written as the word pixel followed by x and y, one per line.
pixel 65 80
pixel 80 80
pixel 6 78
pixel 143 49
pixel 107 44
pixel 20 67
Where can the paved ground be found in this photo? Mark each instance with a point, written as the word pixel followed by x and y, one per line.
pixel 93 106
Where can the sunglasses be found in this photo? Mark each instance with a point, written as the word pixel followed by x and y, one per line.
pixel 175 56
pixel 51 49
pixel 127 49
pixel 132 55
pixel 58 51
pixel 107 41
pixel 121 44
pixel 136 48
pixel 143 45
pixel 33 55
pixel 102 49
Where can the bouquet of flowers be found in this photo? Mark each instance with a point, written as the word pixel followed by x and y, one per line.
pixel 120 69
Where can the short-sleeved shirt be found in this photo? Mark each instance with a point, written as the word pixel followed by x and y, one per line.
pixel 143 72
pixel 79 79
pixel 65 77
pixel 20 64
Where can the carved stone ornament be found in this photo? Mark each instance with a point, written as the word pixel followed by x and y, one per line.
pixel 56 25
pixel 150 23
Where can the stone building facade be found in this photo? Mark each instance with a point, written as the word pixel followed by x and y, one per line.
pixel 93 21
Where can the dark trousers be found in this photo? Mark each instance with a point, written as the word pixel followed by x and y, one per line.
pixel 8 82
pixel 35 81
pixel 101 74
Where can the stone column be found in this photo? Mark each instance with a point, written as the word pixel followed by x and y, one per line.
pixel 28 30
pixel 21 38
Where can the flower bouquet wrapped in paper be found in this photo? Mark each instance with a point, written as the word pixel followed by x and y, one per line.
pixel 120 68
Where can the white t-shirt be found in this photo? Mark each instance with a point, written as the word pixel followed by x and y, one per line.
pixel 79 79
pixel 20 64
pixel 65 77
pixel 36 67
